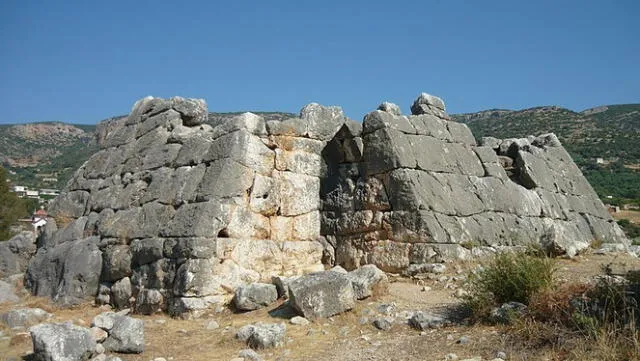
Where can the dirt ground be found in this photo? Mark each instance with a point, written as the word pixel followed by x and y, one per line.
pixel 349 336
pixel 632 216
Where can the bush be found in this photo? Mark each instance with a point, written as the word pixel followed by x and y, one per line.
pixel 508 277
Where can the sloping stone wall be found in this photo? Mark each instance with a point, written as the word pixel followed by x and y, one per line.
pixel 426 192
pixel 177 210
pixel 183 212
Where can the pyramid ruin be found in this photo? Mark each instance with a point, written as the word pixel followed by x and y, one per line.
pixel 176 211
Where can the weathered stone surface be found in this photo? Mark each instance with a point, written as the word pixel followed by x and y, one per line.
pixel 255 296
pixel 186 212
pixel 149 301
pixel 321 294
pixel 116 263
pixel 68 273
pixel 7 293
pixel 16 252
pixel 24 317
pixel 121 292
pixel 125 336
pixel 263 335
pixel 61 342
pixel 364 279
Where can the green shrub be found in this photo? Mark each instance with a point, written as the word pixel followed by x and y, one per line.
pixel 508 277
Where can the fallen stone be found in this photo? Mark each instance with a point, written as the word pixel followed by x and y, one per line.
pixel 297 320
pixel 262 335
pixel 212 325
pixel 415 269
pixel 424 321
pixel 98 334
pixel 322 294
pixel 24 317
pixel 250 355
pixel 507 312
pixel 126 335
pixel 255 296
pixel 382 324
pixel 61 342
pixel 364 279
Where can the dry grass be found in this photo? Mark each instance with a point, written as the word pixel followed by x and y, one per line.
pixel 632 216
pixel 343 337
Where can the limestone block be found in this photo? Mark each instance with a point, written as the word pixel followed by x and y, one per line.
pixel 300 162
pixel 306 226
pixel 301 257
pixel 428 124
pixel 250 122
pixel 281 228
pixel 261 256
pixel 424 100
pixel 192 111
pixel 292 143
pixel 225 178
pixel 461 133
pixel 322 122
pixel 161 156
pixel 379 119
pixel 116 263
pixel 245 148
pixel 193 151
pixel 191 247
pixel 69 204
pixel 295 127
pixel 246 224
pixel 168 119
pixel 146 250
pixel 265 198
pixel 387 149
pixel 205 219
pixel 155 275
pixel 298 193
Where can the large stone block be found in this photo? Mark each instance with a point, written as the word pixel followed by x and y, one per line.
pixel 298 193
pixel 322 294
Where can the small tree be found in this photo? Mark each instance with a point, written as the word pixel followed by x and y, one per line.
pixel 12 207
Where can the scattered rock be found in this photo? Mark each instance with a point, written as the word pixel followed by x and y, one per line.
pixel 415 269
pixel 98 334
pixel 507 312
pixel 421 321
pixel 212 325
pixel 250 355
pixel 463 340
pixel 382 324
pixel 364 279
pixel 262 335
pixel 126 334
pixel 322 294
pixel 297 320
pixel 61 342
pixel 24 317
pixel 255 296
pixel 451 357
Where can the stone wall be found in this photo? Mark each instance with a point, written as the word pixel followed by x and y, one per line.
pixel 426 192
pixel 178 209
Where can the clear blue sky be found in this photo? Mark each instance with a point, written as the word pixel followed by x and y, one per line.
pixel 83 61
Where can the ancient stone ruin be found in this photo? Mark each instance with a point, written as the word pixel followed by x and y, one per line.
pixel 177 211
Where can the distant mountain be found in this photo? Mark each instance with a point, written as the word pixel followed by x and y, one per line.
pixel 45 154
pixel 604 141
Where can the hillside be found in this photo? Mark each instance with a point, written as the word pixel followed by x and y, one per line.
pixel 603 141
pixel 45 154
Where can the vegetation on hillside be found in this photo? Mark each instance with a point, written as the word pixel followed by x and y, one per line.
pixel 604 143
pixel 597 320
pixel 12 208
